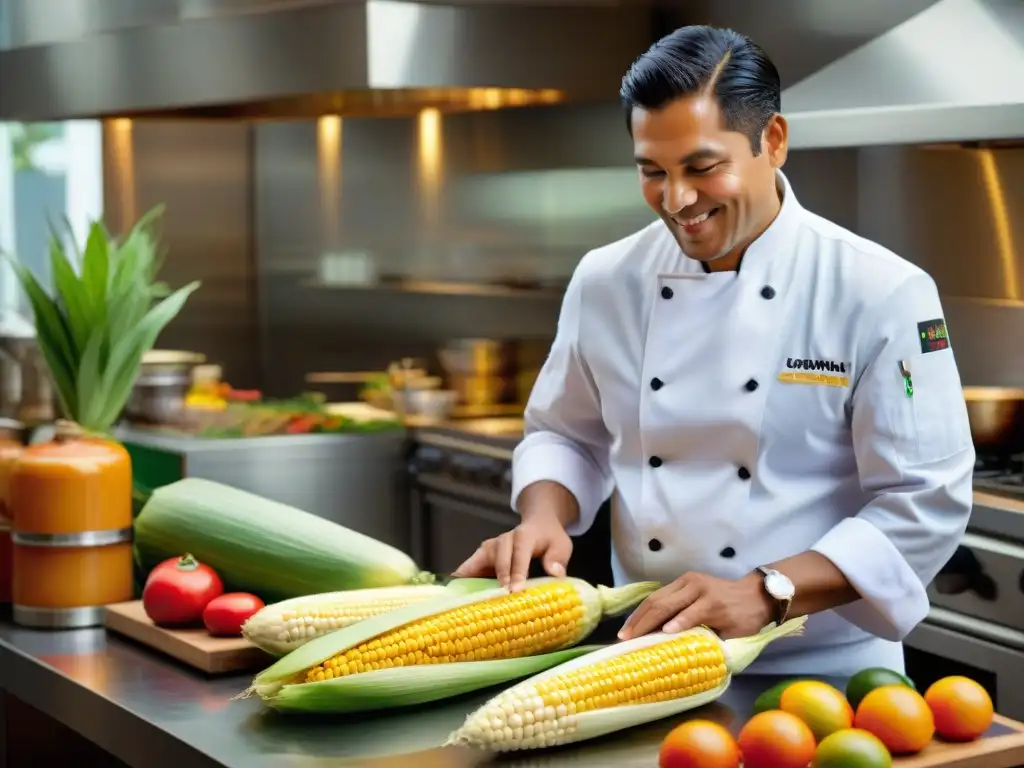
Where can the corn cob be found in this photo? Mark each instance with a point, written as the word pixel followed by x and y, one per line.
pixel 443 647
pixel 280 628
pixel 620 686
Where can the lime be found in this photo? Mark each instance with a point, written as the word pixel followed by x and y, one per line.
pixel 865 681
pixel 770 698
pixel 851 748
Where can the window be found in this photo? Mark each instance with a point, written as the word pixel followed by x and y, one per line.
pixel 50 173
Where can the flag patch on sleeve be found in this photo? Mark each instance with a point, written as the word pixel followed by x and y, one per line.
pixel 933 335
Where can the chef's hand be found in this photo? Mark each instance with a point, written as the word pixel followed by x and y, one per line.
pixel 508 556
pixel 731 608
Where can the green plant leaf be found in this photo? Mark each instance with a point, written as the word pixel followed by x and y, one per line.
pixel 139 253
pixel 71 296
pixel 126 312
pixel 53 337
pixel 69 234
pixel 95 266
pixel 91 395
pixel 100 320
pixel 126 357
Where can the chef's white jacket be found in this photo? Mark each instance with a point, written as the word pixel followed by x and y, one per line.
pixel 739 418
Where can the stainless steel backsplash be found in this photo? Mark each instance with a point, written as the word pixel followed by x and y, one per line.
pixel 510 194
pixel 202 174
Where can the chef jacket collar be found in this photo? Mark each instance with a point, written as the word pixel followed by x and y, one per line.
pixel 777 243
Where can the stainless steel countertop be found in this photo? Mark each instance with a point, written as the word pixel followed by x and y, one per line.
pixel 188 444
pixel 150 712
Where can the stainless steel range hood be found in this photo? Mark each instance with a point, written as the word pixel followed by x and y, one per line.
pixel 304 58
pixel 952 73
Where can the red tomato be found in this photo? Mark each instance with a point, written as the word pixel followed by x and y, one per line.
pixel 225 615
pixel 178 590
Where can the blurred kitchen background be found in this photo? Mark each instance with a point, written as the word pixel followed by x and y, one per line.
pixel 375 185
pixel 355 182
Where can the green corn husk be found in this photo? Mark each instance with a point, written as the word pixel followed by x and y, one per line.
pixel 282 685
pixel 408 686
pixel 265 547
pixel 100 319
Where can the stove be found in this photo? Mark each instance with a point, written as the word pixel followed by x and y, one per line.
pixel 1004 476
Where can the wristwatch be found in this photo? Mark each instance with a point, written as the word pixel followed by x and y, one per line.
pixel 780 588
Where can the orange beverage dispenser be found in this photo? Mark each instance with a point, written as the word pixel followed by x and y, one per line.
pixel 10 449
pixel 71 530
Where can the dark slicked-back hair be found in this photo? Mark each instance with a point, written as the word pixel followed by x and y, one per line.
pixel 701 59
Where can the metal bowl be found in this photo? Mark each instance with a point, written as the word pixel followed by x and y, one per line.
pixel 434 404
pixel 996 415
pixel 159 398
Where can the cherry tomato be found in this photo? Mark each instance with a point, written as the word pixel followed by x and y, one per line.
pixel 225 615
pixel 178 590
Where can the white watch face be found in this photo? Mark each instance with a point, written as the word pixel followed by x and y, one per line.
pixel 779 586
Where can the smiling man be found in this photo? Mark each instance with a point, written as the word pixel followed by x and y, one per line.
pixel 771 401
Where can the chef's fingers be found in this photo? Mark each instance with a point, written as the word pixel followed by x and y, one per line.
pixel 692 616
pixel 661 606
pixel 556 559
pixel 503 547
pixel 525 545
pixel 478 565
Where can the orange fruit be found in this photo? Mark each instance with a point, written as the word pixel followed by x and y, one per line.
pixel 851 748
pixel 699 744
pixel 899 716
pixel 961 707
pixel 776 739
pixel 822 707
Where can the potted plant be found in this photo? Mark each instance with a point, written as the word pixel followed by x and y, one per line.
pixel 73 494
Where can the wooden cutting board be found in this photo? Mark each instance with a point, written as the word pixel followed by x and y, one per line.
pixel 1001 747
pixel 195 647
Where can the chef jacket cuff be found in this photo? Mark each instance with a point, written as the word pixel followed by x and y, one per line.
pixel 893 600
pixel 544 456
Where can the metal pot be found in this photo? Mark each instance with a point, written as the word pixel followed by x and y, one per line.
pixel 158 396
pixel 478 357
pixel 996 415
pixel 26 390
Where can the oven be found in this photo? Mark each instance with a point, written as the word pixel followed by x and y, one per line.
pixel 976 623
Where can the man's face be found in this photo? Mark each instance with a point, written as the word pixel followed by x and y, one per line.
pixel 705 183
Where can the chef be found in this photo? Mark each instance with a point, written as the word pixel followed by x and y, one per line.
pixel 771 401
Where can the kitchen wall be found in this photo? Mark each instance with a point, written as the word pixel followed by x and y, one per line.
pixel 201 172
pixel 269 213
pixel 959 214
pixel 516 195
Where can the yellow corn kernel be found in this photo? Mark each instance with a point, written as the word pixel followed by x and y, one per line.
pixel 280 628
pixel 539 619
pixel 534 715
pixel 691 664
